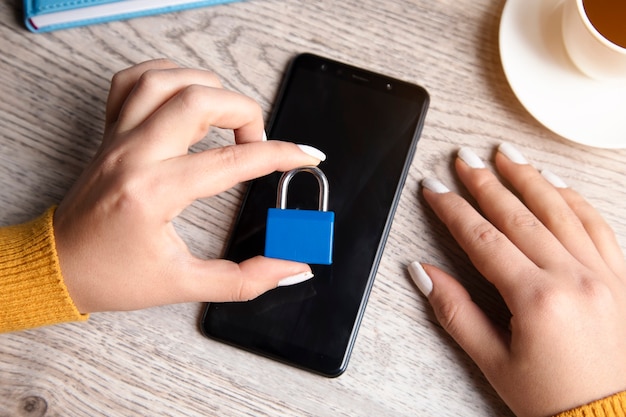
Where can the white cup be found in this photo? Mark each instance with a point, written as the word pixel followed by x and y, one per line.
pixel 593 54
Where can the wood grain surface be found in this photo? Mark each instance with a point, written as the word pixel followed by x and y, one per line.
pixel 155 362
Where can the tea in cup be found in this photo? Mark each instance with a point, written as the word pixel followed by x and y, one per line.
pixel 594 33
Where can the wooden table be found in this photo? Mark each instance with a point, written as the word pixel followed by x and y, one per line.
pixel 155 362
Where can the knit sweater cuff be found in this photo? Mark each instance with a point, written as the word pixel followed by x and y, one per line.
pixel 613 406
pixel 32 291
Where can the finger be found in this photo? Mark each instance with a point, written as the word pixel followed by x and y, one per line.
pixel 225 281
pixel 123 83
pixel 463 319
pixel 547 204
pixel 210 172
pixel 155 87
pixel 507 213
pixel 493 254
pixel 187 117
pixel 598 229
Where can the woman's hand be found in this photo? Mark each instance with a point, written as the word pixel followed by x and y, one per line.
pixel 561 272
pixel 117 246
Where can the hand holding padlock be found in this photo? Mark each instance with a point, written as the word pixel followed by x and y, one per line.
pixel 301 235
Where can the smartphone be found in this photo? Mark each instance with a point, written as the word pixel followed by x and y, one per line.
pixel 368 125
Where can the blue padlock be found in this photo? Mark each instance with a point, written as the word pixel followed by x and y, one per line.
pixel 301 235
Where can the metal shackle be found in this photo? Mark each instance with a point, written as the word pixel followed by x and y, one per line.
pixel 283 184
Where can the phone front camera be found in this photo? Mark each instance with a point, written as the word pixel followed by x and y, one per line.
pixel 323 67
pixel 389 86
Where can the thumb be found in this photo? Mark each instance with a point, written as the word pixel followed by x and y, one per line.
pixel 219 280
pixel 461 317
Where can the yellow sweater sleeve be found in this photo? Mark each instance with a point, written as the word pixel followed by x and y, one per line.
pixel 32 291
pixel 613 406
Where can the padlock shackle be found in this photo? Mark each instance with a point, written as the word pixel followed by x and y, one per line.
pixel 322 181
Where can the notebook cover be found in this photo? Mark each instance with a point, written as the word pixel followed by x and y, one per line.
pixel 34 8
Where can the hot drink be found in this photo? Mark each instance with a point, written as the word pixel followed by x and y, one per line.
pixel 609 18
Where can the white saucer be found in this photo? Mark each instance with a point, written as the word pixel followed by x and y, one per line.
pixel 548 84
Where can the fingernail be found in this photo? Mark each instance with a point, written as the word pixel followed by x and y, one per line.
pixel 314 152
pixel 553 179
pixel 264 138
pixel 295 279
pixel 435 186
pixel 512 153
pixel 470 158
pixel 421 278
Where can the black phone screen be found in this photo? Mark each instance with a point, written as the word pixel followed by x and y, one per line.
pixel 368 125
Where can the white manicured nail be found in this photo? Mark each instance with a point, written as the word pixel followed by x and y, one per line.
pixel 295 279
pixel 421 278
pixel 435 186
pixel 553 179
pixel 314 152
pixel 264 138
pixel 470 158
pixel 512 153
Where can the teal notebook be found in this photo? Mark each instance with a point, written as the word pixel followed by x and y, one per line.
pixel 48 15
